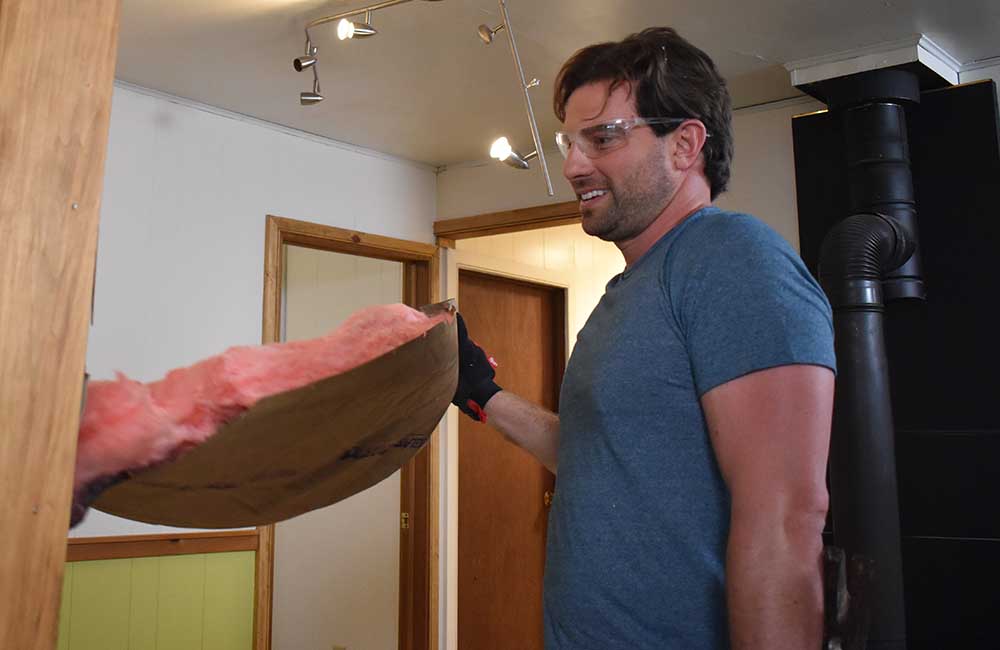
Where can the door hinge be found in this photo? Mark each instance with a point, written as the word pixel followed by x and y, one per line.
pixel 404 520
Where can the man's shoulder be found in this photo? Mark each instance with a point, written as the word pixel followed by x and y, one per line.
pixel 713 235
pixel 726 224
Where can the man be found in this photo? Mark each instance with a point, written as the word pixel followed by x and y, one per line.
pixel 691 443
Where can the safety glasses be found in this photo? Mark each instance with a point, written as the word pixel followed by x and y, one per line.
pixel 599 139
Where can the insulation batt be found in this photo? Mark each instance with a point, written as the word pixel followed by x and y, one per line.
pixel 128 425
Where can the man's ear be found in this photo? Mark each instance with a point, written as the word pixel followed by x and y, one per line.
pixel 688 141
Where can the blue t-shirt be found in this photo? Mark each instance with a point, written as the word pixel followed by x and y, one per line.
pixel 638 527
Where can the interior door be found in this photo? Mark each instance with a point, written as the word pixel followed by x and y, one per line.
pixel 503 492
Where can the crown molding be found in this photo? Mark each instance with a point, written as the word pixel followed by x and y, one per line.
pixel 916 48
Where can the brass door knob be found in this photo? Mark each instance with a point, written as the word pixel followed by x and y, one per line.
pixel 547 499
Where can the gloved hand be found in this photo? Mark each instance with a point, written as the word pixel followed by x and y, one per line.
pixel 475 376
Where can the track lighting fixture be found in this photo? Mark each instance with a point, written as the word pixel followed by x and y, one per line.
pixel 486 34
pixel 350 29
pixel 346 29
pixel 501 149
pixel 309 60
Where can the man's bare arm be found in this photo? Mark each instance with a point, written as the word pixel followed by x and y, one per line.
pixel 527 425
pixel 770 431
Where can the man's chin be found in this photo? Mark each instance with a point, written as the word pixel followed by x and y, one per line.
pixel 595 228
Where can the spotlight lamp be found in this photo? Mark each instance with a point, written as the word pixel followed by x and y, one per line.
pixel 314 97
pixel 303 62
pixel 308 59
pixel 486 34
pixel 501 148
pixel 504 152
pixel 349 29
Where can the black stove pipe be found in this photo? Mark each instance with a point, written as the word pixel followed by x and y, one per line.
pixel 873 113
pixel 867 260
pixel 856 255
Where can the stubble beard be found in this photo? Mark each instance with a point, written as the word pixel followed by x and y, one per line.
pixel 633 203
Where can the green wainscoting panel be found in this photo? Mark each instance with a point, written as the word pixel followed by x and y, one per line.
pixel 66 611
pixel 180 622
pixel 180 602
pixel 101 593
pixel 145 599
pixel 228 617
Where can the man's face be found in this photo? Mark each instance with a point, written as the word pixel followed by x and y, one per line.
pixel 623 191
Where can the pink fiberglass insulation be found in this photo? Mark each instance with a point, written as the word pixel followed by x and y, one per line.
pixel 128 425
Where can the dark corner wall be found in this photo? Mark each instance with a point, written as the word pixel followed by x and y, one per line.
pixel 943 354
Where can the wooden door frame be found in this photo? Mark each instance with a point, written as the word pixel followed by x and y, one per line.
pixel 418 585
pixel 497 223
pixel 452 261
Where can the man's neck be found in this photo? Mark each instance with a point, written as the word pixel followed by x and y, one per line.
pixel 693 195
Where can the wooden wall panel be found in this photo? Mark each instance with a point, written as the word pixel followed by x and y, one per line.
pixel 55 109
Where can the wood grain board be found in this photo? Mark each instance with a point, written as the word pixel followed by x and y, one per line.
pixel 55 107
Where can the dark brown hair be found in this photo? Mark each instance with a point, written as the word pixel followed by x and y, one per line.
pixel 668 77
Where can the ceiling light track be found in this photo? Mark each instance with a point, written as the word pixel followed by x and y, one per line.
pixel 357 12
pixel 501 149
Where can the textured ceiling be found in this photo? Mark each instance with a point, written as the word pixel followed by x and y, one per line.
pixel 427 89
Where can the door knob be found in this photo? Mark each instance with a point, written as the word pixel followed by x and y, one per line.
pixel 547 499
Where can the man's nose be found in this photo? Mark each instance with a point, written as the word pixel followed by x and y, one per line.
pixel 576 164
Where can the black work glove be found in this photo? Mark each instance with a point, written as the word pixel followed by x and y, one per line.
pixel 475 376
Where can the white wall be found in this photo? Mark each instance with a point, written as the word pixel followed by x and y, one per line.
pixel 763 171
pixel 181 249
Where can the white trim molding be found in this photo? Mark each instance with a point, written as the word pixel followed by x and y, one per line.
pixel 972 66
pixel 916 48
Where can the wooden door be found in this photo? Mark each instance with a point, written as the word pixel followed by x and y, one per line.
pixel 502 510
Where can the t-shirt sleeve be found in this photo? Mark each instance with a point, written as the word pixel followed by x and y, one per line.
pixel 744 301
